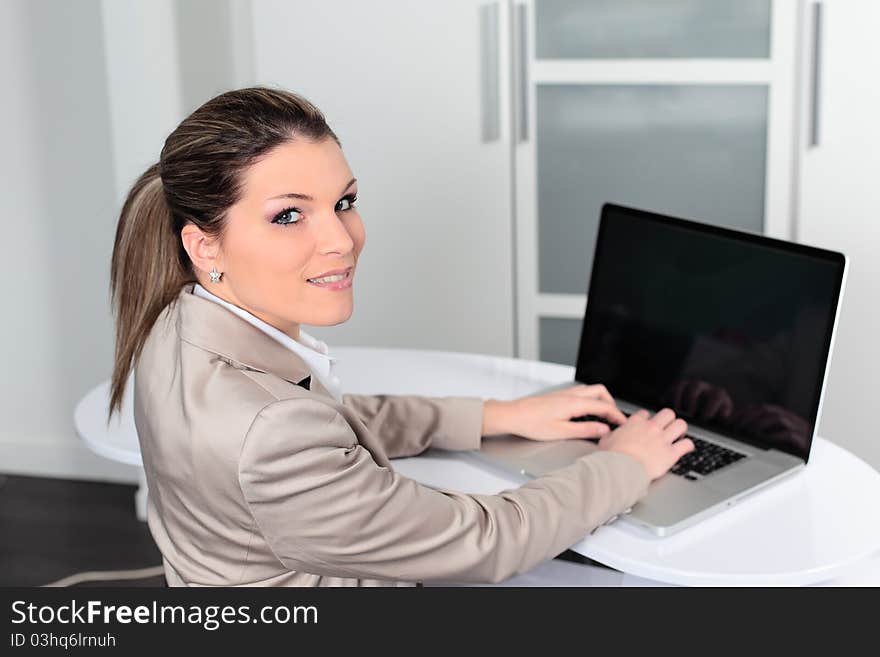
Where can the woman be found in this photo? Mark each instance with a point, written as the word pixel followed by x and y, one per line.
pixel 259 471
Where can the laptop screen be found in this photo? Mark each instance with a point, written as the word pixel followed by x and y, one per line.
pixel 731 330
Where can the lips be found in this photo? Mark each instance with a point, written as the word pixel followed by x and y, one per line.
pixel 332 272
pixel 343 284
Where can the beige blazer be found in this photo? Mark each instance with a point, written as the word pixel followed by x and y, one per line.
pixel 258 476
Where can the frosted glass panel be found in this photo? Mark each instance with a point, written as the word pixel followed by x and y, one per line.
pixel 559 339
pixel 696 151
pixel 652 28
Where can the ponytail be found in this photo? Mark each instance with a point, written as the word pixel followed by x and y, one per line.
pixel 147 272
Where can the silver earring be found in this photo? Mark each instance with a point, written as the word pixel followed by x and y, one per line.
pixel 215 275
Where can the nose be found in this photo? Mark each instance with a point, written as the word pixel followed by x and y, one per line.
pixel 333 235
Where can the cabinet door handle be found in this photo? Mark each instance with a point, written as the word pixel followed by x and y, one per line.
pixel 522 58
pixel 490 96
pixel 816 75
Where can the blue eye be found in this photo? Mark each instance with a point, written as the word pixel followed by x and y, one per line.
pixel 282 214
pixel 350 199
pixel 281 220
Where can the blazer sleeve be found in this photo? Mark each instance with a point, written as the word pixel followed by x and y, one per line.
pixel 409 424
pixel 326 507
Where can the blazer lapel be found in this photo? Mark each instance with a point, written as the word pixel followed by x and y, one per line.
pixel 210 326
pixel 314 384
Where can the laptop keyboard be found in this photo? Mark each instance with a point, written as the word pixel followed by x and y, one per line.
pixel 705 459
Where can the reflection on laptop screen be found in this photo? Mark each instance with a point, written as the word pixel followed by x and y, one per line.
pixel 728 329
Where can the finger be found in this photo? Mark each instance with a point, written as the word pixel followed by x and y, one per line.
pixel 682 447
pixel 663 417
pixel 640 414
pixel 675 430
pixel 590 430
pixel 596 391
pixel 603 409
pixel 602 393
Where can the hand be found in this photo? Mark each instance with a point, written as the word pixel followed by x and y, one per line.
pixel 548 416
pixel 653 441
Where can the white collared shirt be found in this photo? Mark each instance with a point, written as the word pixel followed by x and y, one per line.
pixel 313 351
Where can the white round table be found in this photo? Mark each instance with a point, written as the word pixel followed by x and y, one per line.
pixel 819 526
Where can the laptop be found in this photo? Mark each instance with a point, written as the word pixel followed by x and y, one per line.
pixel 732 330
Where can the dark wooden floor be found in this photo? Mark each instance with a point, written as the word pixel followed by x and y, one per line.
pixel 52 528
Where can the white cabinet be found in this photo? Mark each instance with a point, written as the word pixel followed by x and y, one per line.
pixel 839 202
pixel 683 107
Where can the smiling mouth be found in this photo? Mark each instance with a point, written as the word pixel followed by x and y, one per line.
pixel 335 282
pixel 334 278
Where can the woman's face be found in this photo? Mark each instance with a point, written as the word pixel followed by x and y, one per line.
pixel 294 222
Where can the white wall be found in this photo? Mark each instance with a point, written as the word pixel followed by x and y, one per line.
pixel 98 85
pixel 58 222
pixel 144 85
pixel 214 48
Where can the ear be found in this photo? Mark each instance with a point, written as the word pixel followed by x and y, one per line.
pixel 202 249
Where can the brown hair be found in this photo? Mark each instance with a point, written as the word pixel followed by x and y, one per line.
pixel 197 178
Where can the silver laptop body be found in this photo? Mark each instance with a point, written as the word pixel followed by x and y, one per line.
pixel 676 501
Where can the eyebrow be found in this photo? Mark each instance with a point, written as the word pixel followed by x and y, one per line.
pixel 306 197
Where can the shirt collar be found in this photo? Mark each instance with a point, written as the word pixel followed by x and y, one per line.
pixel 218 328
pixel 309 348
